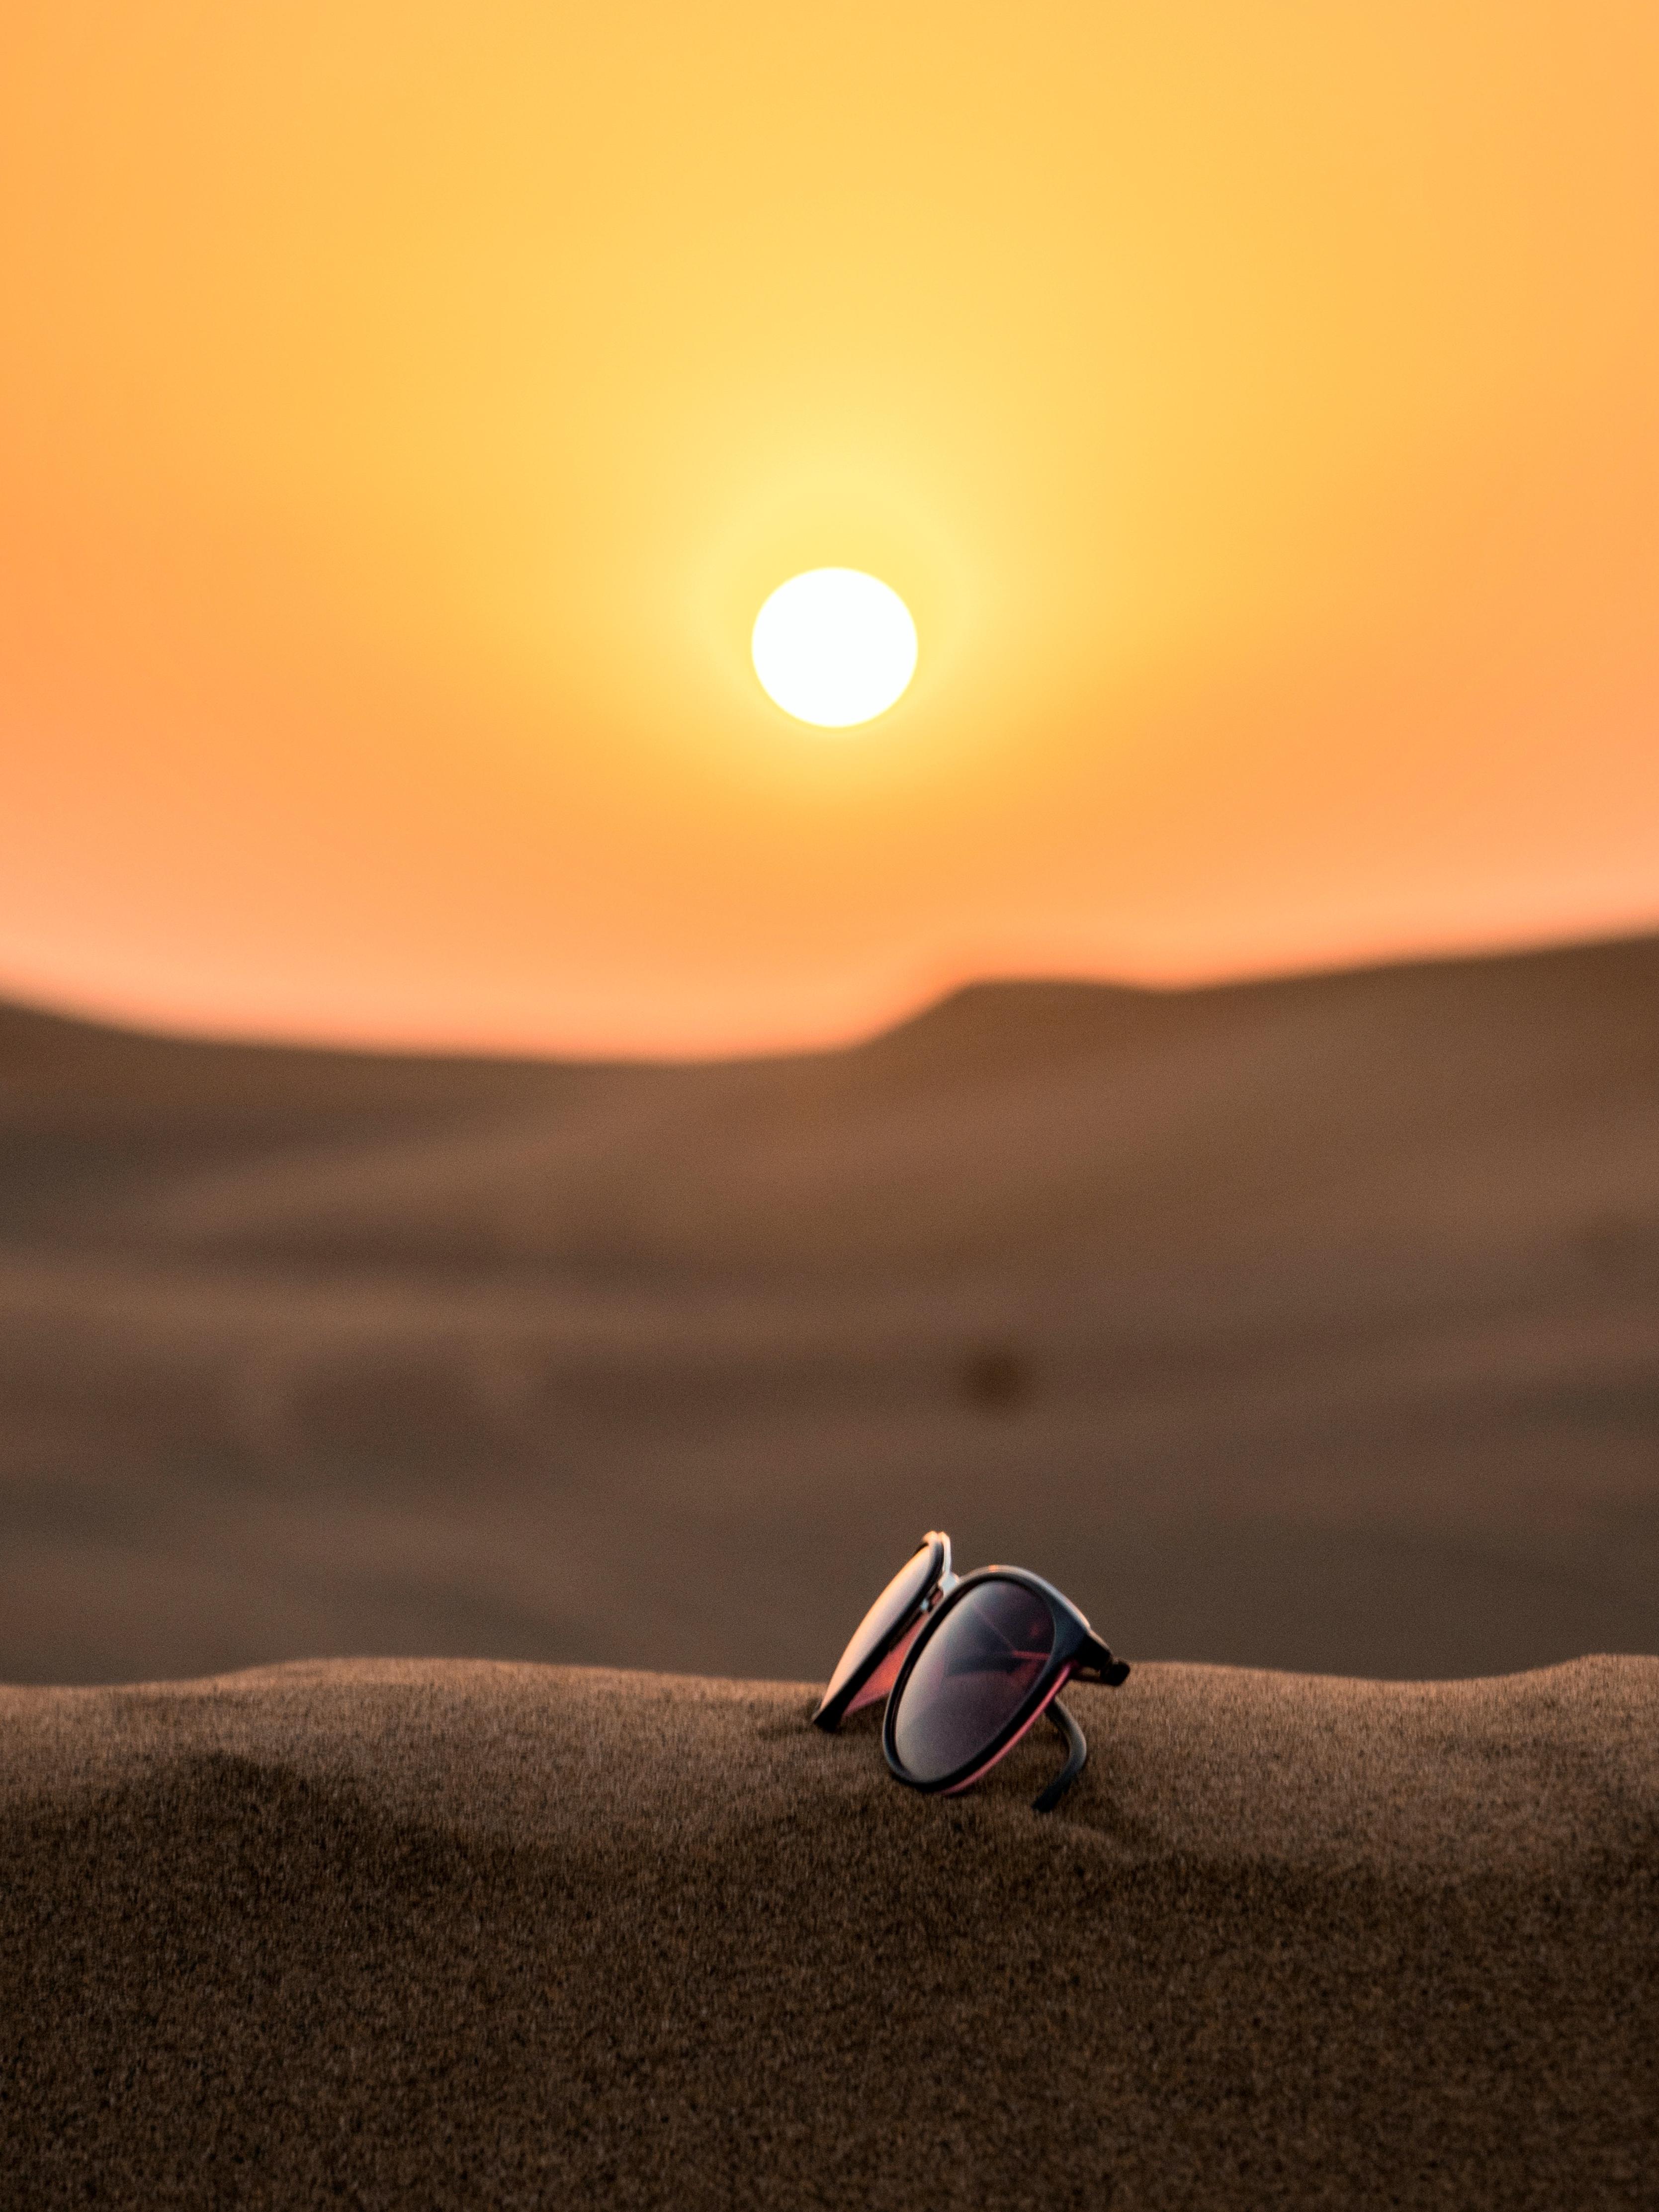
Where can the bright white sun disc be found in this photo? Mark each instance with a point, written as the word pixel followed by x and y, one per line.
pixel 833 647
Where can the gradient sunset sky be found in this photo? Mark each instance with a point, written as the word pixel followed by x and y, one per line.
pixel 405 410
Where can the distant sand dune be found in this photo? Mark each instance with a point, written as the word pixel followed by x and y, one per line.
pixel 1311 1323
pixel 397 1934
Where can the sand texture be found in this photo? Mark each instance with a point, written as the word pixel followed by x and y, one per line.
pixel 1310 1324
pixel 415 1934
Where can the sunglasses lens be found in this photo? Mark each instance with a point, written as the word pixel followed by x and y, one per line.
pixel 977 1670
pixel 901 1598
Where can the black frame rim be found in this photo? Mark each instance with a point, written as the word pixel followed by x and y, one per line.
pixel 1072 1637
pixel 832 1711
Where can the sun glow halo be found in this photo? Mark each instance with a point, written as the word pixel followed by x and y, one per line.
pixel 834 648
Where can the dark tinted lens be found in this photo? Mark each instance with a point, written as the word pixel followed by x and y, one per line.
pixel 978 1666
pixel 900 1599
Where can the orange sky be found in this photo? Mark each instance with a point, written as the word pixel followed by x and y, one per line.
pixel 404 408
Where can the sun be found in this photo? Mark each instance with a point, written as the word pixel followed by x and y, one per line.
pixel 833 647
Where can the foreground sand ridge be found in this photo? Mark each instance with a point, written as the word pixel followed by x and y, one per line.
pixel 434 1933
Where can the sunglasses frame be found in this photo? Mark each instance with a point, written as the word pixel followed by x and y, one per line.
pixel 1077 1653
pixel 861 1687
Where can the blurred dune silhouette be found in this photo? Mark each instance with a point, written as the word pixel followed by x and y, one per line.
pixel 1310 1323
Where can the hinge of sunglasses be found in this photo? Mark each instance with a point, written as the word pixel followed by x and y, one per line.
pixel 1098 1665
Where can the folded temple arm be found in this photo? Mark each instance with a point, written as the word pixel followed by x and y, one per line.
pixel 1077 1744
pixel 1094 1664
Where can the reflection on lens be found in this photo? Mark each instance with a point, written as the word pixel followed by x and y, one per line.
pixel 977 1670
pixel 900 1597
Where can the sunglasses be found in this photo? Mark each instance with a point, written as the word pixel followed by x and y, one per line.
pixel 968 1664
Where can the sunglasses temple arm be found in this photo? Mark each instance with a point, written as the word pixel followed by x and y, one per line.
pixel 1077 1744
pixel 1094 1663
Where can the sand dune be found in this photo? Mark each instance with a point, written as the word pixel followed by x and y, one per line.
pixel 1311 1324
pixel 421 1935
pixel 1027 1127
